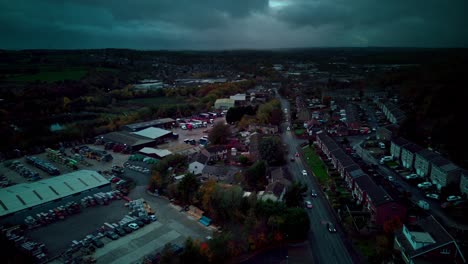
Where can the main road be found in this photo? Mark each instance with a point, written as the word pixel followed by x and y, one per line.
pixel 326 247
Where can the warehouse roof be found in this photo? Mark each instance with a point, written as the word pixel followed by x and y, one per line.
pixel 159 152
pixel 143 125
pixel 152 132
pixel 122 137
pixel 25 195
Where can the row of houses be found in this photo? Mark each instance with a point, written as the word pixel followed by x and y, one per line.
pixel 393 113
pixel 374 199
pixel 427 163
pixel 424 241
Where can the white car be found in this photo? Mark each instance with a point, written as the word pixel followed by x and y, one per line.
pixel 434 196
pixel 289 129
pixel 424 185
pixel 133 226
pixel 453 198
pixel 411 176
pixel 308 204
pixel 304 172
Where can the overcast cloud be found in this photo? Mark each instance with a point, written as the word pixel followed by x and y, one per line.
pixel 231 24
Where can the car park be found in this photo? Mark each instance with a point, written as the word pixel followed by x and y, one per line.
pixel 133 226
pixel 434 196
pixel 331 228
pixel 453 198
pixel 424 185
pixel 309 204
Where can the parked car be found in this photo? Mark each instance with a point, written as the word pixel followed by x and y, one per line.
pixel 292 159
pixel 153 218
pixel 424 185
pixel 434 196
pixel 120 231
pixel 313 193
pixel 331 228
pixel 140 223
pixel 411 176
pixel 304 172
pixel 127 229
pixel 309 204
pixel 133 226
pixel 112 235
pixel 97 242
pixel 453 198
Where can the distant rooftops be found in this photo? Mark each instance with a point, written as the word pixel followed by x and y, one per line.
pixel 142 125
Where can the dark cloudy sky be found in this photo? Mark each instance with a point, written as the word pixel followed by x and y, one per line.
pixel 231 24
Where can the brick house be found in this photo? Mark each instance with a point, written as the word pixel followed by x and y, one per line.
pixel 408 155
pixel 422 162
pixel 341 160
pixel 377 201
pixel 326 144
pixel 444 172
pixel 396 147
pixel 351 173
pixel 427 241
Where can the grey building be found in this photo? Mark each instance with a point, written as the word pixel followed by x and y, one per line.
pixel 444 172
pixel 422 162
pixel 28 199
pixel 396 147
pixel 408 155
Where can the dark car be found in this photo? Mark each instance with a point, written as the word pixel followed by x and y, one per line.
pixel 145 219
pixel 331 228
pixel 120 231
pixel 139 223
pixel 127 229
pixel 97 242
pixel 112 235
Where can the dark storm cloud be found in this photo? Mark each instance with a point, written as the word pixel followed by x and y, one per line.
pixel 217 24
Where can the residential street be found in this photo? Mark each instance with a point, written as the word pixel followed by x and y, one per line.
pixel 326 247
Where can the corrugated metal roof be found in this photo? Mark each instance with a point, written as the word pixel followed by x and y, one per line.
pixel 25 195
pixel 152 132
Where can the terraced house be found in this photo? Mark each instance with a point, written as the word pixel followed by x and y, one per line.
pixel 444 172
pixel 422 162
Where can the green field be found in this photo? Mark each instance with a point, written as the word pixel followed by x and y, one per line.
pixel 316 164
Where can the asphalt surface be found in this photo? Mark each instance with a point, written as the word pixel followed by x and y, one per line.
pixel 326 247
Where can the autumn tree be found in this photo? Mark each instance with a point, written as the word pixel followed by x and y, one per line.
pixel 255 175
pixel 271 150
pixel 187 187
pixel 219 134
pixel 293 196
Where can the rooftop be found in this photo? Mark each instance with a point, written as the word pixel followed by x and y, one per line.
pixel 126 138
pixel 413 148
pixel 427 154
pixel 142 125
pixel 400 141
pixel 152 132
pixel 160 152
pixel 25 195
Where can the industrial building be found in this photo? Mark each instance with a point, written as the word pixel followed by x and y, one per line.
pixel 27 199
pixel 124 138
pixel 161 123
